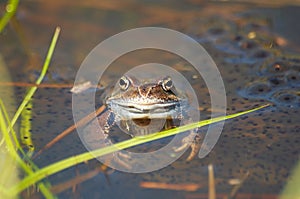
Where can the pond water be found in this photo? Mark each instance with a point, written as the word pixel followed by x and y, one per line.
pixel 255 47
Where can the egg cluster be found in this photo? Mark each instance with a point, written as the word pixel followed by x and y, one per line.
pixel 249 42
pixel 278 81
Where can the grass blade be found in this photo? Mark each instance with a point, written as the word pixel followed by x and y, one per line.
pixel 14 146
pixel 11 9
pixel 66 163
pixel 32 90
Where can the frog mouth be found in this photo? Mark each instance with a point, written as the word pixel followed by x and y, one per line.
pixel 130 110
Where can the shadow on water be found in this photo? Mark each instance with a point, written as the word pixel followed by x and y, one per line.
pixel 255 49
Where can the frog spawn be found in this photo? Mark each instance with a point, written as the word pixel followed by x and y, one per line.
pixel 251 43
pixel 254 65
pixel 278 82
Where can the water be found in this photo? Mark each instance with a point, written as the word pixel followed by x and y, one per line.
pixel 254 47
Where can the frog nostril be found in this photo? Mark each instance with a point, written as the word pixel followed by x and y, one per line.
pixel 144 90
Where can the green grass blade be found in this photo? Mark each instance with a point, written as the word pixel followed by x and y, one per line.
pixel 26 166
pixel 8 165
pixel 11 9
pixel 13 146
pixel 32 90
pixel 66 163
pixel 291 189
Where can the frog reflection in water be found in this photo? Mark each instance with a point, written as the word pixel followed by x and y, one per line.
pixel 141 108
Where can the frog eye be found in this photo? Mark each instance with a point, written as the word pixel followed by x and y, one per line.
pixel 167 83
pixel 124 83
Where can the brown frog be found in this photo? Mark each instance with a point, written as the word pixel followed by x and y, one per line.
pixel 143 107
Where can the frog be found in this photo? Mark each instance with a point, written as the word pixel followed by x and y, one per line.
pixel 143 107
